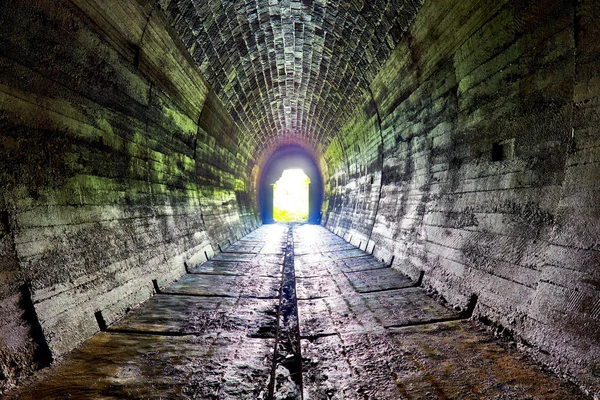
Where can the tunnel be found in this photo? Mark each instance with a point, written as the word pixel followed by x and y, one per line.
pixel 453 152
pixel 290 157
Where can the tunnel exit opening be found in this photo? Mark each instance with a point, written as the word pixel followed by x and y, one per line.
pixel 291 197
pixel 284 159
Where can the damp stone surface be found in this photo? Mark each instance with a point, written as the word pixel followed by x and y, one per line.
pixel 352 339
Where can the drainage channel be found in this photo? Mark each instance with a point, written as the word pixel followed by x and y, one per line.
pixel 286 373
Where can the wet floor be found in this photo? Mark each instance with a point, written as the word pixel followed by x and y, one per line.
pixel 290 313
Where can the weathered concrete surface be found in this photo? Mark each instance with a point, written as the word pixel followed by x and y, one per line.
pixel 141 366
pixel 401 343
pixel 473 160
pixel 218 285
pixel 384 344
pixel 206 336
pixel 457 139
pixel 117 167
pixel 165 313
pixel 239 267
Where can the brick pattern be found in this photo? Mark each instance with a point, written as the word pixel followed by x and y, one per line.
pixel 290 72
pixel 120 162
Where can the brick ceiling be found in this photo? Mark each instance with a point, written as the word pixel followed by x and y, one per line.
pixel 288 71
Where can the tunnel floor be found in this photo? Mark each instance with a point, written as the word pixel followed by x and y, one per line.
pixel 355 328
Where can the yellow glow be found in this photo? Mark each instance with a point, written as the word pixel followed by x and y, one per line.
pixel 290 196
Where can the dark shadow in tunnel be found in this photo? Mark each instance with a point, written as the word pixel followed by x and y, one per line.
pixel 289 157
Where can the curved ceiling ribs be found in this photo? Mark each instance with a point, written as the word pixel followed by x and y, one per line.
pixel 290 71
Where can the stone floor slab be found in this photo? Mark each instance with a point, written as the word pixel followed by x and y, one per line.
pixel 251 248
pixel 127 366
pixel 333 315
pixel 201 315
pixel 224 285
pixel 233 257
pixel 315 287
pixel 308 270
pixel 273 248
pixel 366 333
pixel 459 360
pixel 249 257
pixel 238 268
pixel 312 258
pixel 406 307
pixel 304 249
pixel 378 280
pixel 359 264
pixel 351 366
pixel 344 254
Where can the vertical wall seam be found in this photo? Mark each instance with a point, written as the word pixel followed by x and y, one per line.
pixel 138 48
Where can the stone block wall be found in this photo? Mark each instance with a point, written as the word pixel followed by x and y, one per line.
pixel 473 159
pixel 117 166
pixel 354 186
pixel 489 117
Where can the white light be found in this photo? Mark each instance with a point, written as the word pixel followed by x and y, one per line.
pixel 290 196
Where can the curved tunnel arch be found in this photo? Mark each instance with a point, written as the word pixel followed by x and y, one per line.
pixel 285 158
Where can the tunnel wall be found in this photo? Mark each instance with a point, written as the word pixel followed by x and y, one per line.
pixel 353 189
pixel 117 166
pixel 489 183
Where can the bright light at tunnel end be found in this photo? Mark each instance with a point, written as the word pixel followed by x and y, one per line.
pixel 290 196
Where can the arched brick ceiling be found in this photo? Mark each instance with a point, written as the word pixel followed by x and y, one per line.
pixel 289 71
